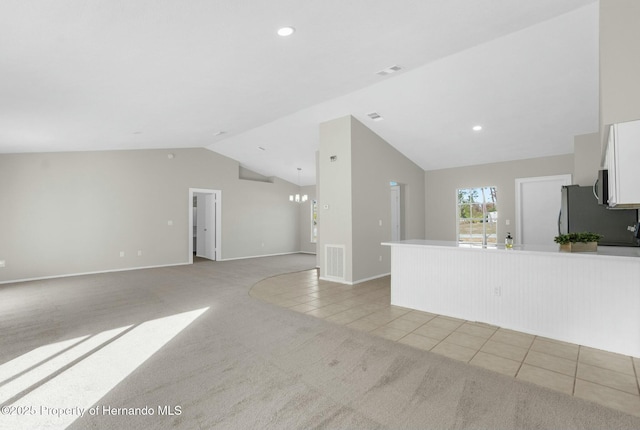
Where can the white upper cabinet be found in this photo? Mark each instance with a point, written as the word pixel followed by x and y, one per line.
pixel 623 162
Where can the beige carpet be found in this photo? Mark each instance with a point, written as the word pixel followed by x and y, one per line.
pixel 248 364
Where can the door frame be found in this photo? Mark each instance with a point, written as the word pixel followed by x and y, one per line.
pixel 566 178
pixel 218 214
pixel 397 206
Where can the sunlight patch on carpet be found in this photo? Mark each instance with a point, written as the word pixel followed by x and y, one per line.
pixel 31 398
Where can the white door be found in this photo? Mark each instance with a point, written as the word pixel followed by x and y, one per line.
pixel 396 227
pixel 210 227
pixel 538 203
pixel 206 226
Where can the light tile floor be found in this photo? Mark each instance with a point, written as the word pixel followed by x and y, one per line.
pixel 599 376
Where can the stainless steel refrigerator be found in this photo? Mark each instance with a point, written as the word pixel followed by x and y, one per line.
pixel 581 212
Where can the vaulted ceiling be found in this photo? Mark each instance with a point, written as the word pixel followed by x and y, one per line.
pixel 80 75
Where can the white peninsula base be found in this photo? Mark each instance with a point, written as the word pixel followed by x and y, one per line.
pixel 591 299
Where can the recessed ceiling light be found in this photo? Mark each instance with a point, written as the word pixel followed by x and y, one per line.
pixel 286 31
pixel 219 133
pixel 477 127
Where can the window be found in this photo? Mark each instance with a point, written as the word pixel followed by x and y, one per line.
pixel 477 216
pixel 314 221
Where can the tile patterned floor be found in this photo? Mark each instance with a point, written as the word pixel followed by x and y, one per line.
pixel 599 376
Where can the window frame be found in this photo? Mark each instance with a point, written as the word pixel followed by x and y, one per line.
pixel 483 201
pixel 314 221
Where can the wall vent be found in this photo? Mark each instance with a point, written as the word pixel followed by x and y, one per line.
pixel 334 261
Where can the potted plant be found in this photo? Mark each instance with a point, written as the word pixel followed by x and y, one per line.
pixel 578 242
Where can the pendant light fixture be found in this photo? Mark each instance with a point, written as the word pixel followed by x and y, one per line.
pixel 297 198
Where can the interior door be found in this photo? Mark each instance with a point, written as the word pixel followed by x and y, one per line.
pixel 538 203
pixel 206 226
pixel 210 227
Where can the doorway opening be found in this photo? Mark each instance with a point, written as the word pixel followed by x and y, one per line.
pixel 205 215
pixel 397 211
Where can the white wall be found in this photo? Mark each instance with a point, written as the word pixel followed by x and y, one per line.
pixel 619 62
pixel 356 190
pixel 334 186
pixel 441 188
pixel 374 165
pixel 66 213
pixel 586 159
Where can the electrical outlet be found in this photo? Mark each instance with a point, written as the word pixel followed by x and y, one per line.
pixel 139 253
pixel 2 263
pixel 380 258
pixel 497 291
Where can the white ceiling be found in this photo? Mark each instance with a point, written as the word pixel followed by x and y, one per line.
pixel 79 75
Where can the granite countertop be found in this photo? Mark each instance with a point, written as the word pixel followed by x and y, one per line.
pixel 609 251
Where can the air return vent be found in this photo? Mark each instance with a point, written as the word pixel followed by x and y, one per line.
pixel 334 262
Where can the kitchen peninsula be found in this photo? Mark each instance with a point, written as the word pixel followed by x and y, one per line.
pixel 591 299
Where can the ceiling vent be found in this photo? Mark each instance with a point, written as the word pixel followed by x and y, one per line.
pixel 389 70
pixel 375 116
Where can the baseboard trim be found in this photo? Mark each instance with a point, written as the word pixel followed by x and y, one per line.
pixel 337 281
pixel 359 281
pixel 260 256
pixel 97 272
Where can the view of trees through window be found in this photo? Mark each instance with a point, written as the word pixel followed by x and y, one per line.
pixel 477 215
pixel 314 221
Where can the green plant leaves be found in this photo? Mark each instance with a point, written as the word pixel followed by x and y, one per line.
pixel 583 237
